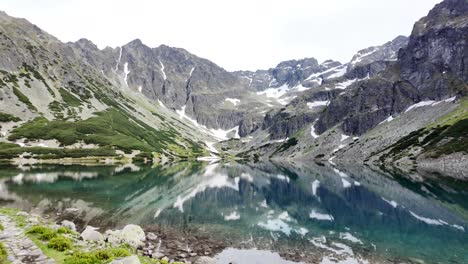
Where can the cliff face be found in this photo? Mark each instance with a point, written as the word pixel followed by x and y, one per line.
pixel 433 66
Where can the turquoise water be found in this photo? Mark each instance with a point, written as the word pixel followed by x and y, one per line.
pixel 351 212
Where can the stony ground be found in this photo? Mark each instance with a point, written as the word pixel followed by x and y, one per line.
pixel 20 248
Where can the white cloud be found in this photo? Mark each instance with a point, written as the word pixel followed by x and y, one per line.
pixel 236 35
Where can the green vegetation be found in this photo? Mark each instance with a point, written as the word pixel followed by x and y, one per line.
pixel 3 254
pixel 1 227
pixel 112 129
pixel 42 232
pixel 24 99
pixel 13 214
pixel 69 99
pixel 64 230
pixel 4 117
pixel 286 145
pixel 97 256
pixel 60 243
pixel 10 150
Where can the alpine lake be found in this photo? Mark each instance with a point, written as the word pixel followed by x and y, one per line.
pixel 279 213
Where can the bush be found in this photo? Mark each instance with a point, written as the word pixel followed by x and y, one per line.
pixel 60 243
pixel 1 227
pixel 3 253
pixel 97 256
pixel 4 117
pixel 44 233
pixel 64 230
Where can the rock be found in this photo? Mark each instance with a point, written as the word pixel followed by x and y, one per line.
pixel 130 234
pixel 127 260
pixel 133 235
pixel 151 236
pixel 22 214
pixel 68 224
pixel 90 234
pixel 157 255
pixel 205 260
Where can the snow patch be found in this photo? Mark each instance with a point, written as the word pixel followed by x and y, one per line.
pixel 162 70
pixel 319 216
pixel 126 72
pixel 312 132
pixel 315 185
pixel 392 203
pixel 234 101
pixel 233 216
pixel 350 237
pixel 346 184
pixel 275 92
pixel 344 137
pixel 317 103
pixel 389 119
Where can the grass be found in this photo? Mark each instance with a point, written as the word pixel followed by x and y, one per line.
pixel 3 254
pixel 60 243
pixel 4 117
pixel 69 99
pixel 97 256
pixel 24 99
pixel 13 214
pixel 10 150
pixel 111 128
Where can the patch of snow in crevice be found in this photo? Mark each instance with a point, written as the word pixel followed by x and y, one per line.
pixel 343 137
pixel 389 119
pixel 317 103
pixel 191 71
pixel 340 173
pixel 339 73
pixel 346 184
pixel 300 88
pixel 348 236
pixel 282 177
pixel 360 56
pixel 312 132
pixel 222 134
pixel 234 101
pixel 232 217
pixel 275 92
pixel 345 84
pixel 140 88
pixel 392 203
pixel 319 216
pixel 338 148
pixel 162 70
pixel 126 72
pixel 315 186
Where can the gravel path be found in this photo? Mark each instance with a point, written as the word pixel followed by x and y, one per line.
pixel 20 248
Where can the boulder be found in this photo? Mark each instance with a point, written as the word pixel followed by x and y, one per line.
pixel 130 234
pixel 127 260
pixel 68 224
pixel 151 236
pixel 90 234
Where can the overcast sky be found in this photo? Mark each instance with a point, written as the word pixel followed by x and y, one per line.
pixel 236 34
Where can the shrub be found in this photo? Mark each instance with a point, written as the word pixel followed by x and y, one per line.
pixel 60 243
pixel 97 256
pixel 44 233
pixel 3 253
pixel 64 230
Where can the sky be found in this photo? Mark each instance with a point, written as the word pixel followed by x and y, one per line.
pixel 235 34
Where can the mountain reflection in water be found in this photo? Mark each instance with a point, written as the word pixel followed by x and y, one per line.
pixel 330 209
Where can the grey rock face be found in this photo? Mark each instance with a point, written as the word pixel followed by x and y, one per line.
pixel 433 66
pixel 385 52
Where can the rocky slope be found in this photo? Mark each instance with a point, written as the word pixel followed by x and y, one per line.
pixel 373 106
pixel 55 104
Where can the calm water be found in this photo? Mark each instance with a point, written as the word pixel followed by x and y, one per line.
pixel 345 213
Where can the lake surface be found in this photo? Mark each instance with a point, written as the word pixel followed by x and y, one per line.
pixel 335 213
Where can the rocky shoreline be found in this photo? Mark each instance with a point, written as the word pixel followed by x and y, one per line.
pixel 19 229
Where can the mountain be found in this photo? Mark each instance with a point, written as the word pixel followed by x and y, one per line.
pixel 55 104
pixel 402 103
pixel 411 112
